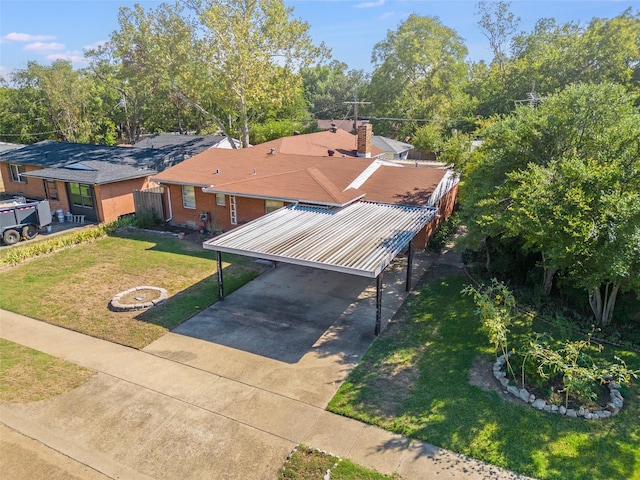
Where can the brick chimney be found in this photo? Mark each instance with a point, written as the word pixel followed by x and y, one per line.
pixel 365 133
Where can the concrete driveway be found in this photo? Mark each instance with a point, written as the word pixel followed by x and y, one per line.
pixel 294 331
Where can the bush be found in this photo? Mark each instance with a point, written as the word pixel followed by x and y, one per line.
pixel 444 234
pixel 18 254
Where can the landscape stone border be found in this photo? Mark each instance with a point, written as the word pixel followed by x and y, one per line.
pixel 612 408
pixel 118 306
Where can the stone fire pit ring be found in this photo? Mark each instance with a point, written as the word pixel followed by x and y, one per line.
pixel 138 298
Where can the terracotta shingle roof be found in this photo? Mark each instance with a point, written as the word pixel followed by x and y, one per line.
pixel 257 172
pixel 318 144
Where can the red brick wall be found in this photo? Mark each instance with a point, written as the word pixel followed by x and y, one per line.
pixel 205 202
pixel 33 188
pixel 247 209
pixel 445 209
pixel 115 199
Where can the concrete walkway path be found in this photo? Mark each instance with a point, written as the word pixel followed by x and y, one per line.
pixel 189 408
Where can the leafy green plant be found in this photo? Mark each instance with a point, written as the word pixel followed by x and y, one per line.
pixel 495 306
pixel 146 220
pixel 581 375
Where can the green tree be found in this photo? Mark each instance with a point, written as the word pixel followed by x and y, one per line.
pixel 420 72
pixel 552 56
pixel 328 87
pixel 55 102
pixel 252 50
pixel 564 179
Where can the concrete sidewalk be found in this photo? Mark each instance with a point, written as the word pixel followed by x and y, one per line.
pixel 187 407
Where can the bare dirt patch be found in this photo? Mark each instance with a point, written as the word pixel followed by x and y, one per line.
pixel 481 375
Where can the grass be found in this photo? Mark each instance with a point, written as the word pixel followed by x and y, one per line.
pixel 312 464
pixel 72 288
pixel 27 375
pixel 414 380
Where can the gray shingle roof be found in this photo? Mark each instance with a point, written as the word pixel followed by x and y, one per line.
pixel 95 172
pixel 390 145
pixel 108 164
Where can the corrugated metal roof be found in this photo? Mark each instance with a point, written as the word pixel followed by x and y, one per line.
pixel 360 239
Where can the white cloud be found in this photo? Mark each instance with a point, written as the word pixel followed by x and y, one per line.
pixel 40 47
pixel 375 3
pixel 387 15
pixel 76 58
pixel 4 72
pixel 95 45
pixel 25 37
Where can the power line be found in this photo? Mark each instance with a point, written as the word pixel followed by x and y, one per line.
pixel 27 134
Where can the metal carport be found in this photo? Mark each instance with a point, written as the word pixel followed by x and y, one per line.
pixel 360 239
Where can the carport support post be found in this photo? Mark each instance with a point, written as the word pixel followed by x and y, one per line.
pixel 220 281
pixel 378 303
pixel 409 265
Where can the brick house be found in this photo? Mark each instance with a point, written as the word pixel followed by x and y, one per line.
pixel 221 189
pixel 96 181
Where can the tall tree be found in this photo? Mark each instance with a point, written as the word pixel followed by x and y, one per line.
pixel 564 179
pixel 252 49
pixel 553 56
pixel 499 25
pixel 54 102
pixel 420 72
pixel 328 87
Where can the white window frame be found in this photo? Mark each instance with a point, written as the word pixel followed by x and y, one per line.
pixel 221 199
pixel 15 171
pixel 189 197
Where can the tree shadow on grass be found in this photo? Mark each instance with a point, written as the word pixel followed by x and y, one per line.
pixel 442 408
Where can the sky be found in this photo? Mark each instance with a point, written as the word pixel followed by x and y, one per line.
pixel 46 30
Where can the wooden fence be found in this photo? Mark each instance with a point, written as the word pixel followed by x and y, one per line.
pixel 150 201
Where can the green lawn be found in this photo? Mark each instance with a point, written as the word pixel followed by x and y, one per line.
pixel 73 287
pixel 414 380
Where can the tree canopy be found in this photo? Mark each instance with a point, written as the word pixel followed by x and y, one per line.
pixel 564 179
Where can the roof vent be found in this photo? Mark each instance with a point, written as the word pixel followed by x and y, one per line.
pixel 217 171
pixel 334 129
pixel 331 152
pixel 254 171
pixel 273 150
pixel 296 132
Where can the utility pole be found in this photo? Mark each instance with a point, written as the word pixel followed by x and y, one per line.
pixel 355 104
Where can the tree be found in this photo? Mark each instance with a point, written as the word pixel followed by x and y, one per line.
pixel 55 102
pixel 420 72
pixel 252 49
pixel 552 56
pixel 564 179
pixel 139 63
pixel 328 87
pixel 499 25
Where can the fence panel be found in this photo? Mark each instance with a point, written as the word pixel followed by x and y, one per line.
pixel 150 201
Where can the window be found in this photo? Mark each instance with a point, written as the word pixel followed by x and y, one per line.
pixel 220 199
pixel 188 196
pixel 81 195
pixel 272 205
pixel 50 189
pixel 16 172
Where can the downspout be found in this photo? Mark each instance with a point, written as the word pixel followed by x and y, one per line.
pixel 169 203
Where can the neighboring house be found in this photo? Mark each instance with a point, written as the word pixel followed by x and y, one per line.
pixel 96 181
pixel 393 149
pixel 188 144
pixel 221 189
pixel 4 147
